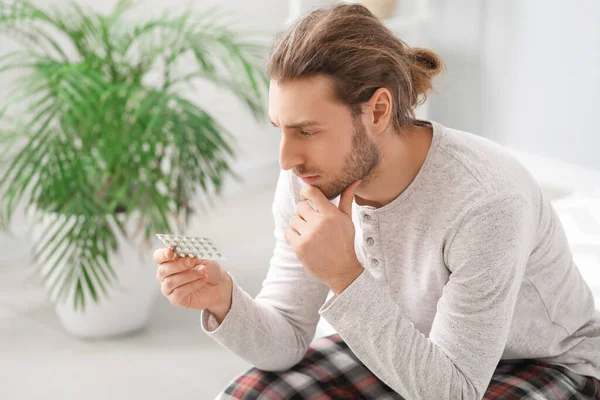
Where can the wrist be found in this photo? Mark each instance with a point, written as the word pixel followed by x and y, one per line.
pixel 346 280
pixel 221 309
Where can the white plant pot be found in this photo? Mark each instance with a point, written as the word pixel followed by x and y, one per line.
pixel 130 298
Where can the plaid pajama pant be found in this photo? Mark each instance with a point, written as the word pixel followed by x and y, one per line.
pixel 330 370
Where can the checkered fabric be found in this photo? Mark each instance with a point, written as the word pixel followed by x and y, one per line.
pixel 331 371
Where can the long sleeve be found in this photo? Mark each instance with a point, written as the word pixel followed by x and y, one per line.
pixel 274 330
pixel 486 259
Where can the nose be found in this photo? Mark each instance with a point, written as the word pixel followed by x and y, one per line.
pixel 289 154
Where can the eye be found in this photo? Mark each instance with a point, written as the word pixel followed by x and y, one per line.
pixel 304 133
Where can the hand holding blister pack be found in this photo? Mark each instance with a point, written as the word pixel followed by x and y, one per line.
pixel 190 274
pixel 191 246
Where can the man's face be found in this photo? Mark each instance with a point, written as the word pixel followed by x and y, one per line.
pixel 320 138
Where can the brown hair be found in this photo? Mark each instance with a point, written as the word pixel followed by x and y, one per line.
pixel 351 45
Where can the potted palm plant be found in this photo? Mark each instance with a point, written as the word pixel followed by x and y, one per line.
pixel 102 144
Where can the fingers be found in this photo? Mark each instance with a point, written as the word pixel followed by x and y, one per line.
pixel 163 255
pixel 345 204
pixel 172 282
pixel 174 267
pixel 305 211
pixel 298 224
pixel 291 236
pixel 179 294
pixel 317 197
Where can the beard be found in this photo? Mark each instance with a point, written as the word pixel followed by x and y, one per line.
pixel 362 161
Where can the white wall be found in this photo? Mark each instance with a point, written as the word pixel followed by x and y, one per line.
pixel 556 85
pixel 524 73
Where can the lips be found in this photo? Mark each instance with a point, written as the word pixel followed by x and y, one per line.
pixel 310 179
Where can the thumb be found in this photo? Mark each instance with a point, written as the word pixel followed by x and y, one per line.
pixel 346 199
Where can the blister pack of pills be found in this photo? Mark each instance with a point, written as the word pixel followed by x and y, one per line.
pixel 191 246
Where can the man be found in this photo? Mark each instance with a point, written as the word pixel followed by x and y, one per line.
pixel 450 272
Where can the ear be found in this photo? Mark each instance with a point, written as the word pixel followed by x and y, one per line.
pixel 379 111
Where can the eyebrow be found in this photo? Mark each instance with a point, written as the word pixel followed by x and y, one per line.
pixel 301 124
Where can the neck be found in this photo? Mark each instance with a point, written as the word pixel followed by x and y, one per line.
pixel 401 159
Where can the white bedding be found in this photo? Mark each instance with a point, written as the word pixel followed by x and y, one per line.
pixel 579 213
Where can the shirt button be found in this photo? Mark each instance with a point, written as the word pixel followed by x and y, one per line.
pixel 366 217
pixel 375 262
pixel 370 241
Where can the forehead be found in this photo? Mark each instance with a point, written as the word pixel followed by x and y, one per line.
pixel 304 98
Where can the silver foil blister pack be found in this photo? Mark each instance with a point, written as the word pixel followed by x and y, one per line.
pixel 191 246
